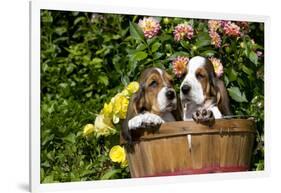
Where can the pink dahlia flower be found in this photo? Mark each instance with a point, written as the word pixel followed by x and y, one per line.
pixel 183 31
pixel 215 39
pixel 218 67
pixel 231 29
pixel 214 25
pixel 180 65
pixel 150 26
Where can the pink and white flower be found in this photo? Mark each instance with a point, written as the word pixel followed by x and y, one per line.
pixel 180 65
pixel 183 31
pixel 218 67
pixel 214 25
pixel 215 39
pixel 150 26
pixel 231 29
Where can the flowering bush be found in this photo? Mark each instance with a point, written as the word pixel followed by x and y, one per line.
pixel 89 65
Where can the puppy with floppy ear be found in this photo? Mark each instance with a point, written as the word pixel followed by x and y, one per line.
pixel 153 104
pixel 203 95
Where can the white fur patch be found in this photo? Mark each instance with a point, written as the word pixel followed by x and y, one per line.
pixel 196 92
pixel 146 118
pixel 162 99
pixel 216 112
pixel 164 103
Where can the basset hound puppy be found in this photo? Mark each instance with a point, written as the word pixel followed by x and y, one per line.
pixel 203 96
pixel 153 104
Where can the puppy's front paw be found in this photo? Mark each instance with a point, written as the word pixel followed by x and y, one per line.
pixel 146 121
pixel 204 116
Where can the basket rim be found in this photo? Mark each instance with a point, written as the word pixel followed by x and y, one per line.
pixel 183 128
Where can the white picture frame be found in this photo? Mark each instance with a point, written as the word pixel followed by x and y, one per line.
pixel 88 6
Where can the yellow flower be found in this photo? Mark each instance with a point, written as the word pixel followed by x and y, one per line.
pixel 124 164
pixel 117 154
pixel 120 106
pixel 107 110
pixel 88 129
pixel 125 93
pixel 133 87
pixel 103 126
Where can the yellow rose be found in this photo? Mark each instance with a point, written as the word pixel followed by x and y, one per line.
pixel 103 126
pixel 120 106
pixel 88 129
pixel 117 154
pixel 107 110
pixel 125 92
pixel 124 164
pixel 133 87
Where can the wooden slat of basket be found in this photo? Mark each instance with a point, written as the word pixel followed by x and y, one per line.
pixel 189 127
pixel 168 151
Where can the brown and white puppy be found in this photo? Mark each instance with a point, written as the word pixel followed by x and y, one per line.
pixel 152 105
pixel 203 96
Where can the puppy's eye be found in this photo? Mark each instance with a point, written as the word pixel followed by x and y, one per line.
pixel 153 83
pixel 200 76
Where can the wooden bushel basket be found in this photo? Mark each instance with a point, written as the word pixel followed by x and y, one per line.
pixel 181 148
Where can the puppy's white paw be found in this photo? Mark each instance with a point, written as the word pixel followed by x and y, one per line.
pixel 146 120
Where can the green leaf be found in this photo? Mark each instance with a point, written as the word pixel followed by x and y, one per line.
pixel 247 70
pixel 155 47
pixel 79 19
pixel 203 39
pixel 202 43
pixel 253 57
pixel 138 56
pixel 97 60
pixel 136 32
pixel 151 40
pixel 48 179
pixel 141 47
pixel 110 174
pixel 232 75
pixel 157 55
pixel 203 36
pixel 103 79
pixel 125 80
pixel 208 53
pixel 236 94
pixel 185 44
pixel 60 30
pixel 71 138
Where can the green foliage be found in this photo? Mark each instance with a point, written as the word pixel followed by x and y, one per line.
pixel 87 58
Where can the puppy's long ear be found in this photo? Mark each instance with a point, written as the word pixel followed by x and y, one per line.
pixel 222 98
pixel 219 91
pixel 212 79
pixel 136 104
pixel 139 100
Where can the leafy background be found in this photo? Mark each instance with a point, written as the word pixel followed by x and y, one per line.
pixel 86 58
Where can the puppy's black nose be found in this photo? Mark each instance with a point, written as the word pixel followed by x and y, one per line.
pixel 170 94
pixel 185 89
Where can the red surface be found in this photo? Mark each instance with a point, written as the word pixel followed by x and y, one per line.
pixel 207 170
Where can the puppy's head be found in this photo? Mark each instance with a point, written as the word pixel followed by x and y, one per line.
pixel 156 93
pixel 199 83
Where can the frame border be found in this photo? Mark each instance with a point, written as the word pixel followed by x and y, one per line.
pixel 35 7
